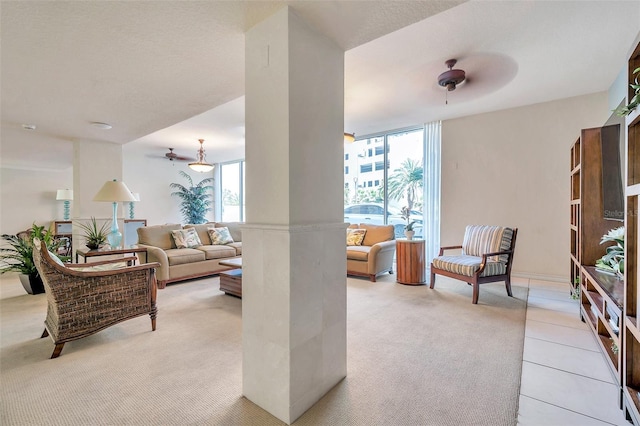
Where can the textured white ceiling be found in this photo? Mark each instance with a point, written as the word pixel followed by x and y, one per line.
pixel 146 67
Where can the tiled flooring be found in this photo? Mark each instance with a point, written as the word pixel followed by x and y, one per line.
pixel 565 378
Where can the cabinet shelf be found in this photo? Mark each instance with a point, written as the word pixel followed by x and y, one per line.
pixel 632 325
pixel 631 334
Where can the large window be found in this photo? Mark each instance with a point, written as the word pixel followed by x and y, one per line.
pixel 399 179
pixel 232 186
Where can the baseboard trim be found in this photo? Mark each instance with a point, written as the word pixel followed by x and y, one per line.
pixel 541 277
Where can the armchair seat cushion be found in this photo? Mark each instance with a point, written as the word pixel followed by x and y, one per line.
pixel 217 251
pixel 468 265
pixel 185 255
pixel 358 252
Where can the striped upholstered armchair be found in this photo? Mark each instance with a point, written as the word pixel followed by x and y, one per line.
pixel 487 256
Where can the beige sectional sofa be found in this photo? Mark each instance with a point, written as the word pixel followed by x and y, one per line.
pixel 375 255
pixel 178 264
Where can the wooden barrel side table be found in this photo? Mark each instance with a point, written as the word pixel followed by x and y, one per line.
pixel 410 262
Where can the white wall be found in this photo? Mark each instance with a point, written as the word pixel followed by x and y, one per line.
pixel 511 168
pixel 29 196
pixel 150 177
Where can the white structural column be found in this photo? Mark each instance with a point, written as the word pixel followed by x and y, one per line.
pixel 294 255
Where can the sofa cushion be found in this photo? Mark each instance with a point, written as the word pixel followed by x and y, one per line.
pixel 236 245
pixel 355 237
pixel 234 229
pixel 220 236
pixel 358 252
pixel 479 240
pixel 377 233
pixel 186 238
pixel 217 251
pixel 201 229
pixel 468 265
pixel 185 255
pixel 158 235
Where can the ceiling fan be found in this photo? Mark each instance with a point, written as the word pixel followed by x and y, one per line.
pixel 172 156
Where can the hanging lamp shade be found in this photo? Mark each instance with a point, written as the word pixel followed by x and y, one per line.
pixel 201 165
pixel 349 137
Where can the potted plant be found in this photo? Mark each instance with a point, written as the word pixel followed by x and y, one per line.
pixel 408 229
pixel 95 236
pixel 635 101
pixel 613 260
pixel 196 199
pixel 18 257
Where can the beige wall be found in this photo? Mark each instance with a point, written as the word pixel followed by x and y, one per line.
pixel 511 168
pixel 29 196
pixel 150 177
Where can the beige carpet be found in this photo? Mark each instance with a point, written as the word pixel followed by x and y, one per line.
pixel 415 357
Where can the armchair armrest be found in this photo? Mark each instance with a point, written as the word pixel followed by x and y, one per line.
pixel 486 255
pixel 156 254
pixel 382 247
pixel 442 249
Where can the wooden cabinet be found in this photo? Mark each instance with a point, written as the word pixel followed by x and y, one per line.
pixel 601 304
pixel 601 294
pixel 631 334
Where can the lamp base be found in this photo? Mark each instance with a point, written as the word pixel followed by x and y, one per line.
pixel 114 239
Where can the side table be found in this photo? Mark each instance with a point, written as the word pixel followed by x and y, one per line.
pixel 410 262
pixel 86 252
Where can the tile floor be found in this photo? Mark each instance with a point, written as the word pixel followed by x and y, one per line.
pixel 565 378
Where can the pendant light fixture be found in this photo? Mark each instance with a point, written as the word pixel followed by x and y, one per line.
pixel 201 165
pixel 349 137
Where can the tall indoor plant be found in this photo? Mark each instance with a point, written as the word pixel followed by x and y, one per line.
pixel 18 256
pixel 195 199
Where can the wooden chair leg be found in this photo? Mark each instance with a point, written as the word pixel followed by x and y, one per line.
pixel 476 293
pixel 57 350
pixel 45 333
pixel 372 277
pixel 507 284
pixel 433 280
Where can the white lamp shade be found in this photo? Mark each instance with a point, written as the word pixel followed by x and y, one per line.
pixel 349 137
pixel 136 195
pixel 114 191
pixel 64 194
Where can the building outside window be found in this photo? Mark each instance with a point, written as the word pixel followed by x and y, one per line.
pixel 232 187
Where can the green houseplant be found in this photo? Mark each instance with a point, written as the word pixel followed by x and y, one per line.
pixel 635 101
pixel 95 236
pixel 195 199
pixel 613 260
pixel 18 256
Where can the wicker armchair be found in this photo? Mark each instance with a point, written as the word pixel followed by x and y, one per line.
pixel 84 299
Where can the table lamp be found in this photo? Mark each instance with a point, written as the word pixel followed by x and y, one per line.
pixel 114 191
pixel 65 195
pixel 131 212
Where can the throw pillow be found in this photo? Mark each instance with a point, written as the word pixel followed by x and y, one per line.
pixel 355 237
pixel 186 238
pixel 55 258
pixel 220 236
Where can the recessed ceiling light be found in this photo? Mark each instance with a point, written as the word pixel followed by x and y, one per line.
pixel 29 126
pixel 99 125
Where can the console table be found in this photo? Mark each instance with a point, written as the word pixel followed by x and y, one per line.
pixel 86 252
pixel 410 262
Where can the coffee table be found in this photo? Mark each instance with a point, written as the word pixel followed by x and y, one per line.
pixel 231 281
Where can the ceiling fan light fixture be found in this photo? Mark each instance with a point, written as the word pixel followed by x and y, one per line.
pixel 450 79
pixel 201 165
